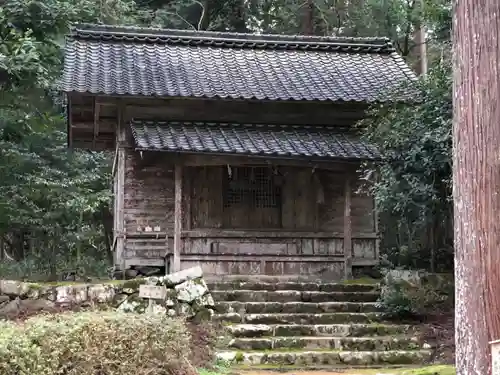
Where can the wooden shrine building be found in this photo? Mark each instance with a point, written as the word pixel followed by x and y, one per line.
pixel 235 152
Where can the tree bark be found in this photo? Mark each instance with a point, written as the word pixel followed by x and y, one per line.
pixel 308 18
pixel 205 15
pixel 420 39
pixel 476 180
pixel 239 17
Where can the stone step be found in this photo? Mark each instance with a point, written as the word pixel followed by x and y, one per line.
pixel 293 296
pixel 291 285
pixel 380 343
pixel 294 307
pixel 339 330
pixel 326 357
pixel 325 318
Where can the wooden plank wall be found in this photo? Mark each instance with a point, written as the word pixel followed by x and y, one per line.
pixel 309 226
pixel 93 118
pixel 310 202
pixel 309 239
pixel 148 205
pixel 149 195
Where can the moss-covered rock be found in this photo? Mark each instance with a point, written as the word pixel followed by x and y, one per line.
pixel 133 304
pixel 191 290
pixel 186 294
pixel 328 357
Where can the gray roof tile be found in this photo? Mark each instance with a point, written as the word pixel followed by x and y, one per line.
pixel 315 142
pixel 175 63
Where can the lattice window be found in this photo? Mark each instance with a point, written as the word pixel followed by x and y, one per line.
pixel 252 186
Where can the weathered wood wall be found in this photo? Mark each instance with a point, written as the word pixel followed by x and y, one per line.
pixel 93 120
pixel 310 202
pixel 304 235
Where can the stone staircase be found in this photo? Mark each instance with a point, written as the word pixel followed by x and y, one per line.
pixel 276 323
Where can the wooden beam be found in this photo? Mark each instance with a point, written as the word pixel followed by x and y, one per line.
pixel 70 125
pixel 97 109
pixel 377 231
pixel 364 262
pixel 347 228
pixel 250 233
pixel 188 179
pixel 258 258
pixel 177 219
pixel 119 222
pixel 159 262
pixel 239 104
pixel 213 159
pixel 138 261
pixel 115 161
pixel 221 233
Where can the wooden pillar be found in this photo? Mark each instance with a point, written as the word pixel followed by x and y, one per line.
pixel 119 190
pixel 177 218
pixel 187 189
pixel 376 230
pixel 347 228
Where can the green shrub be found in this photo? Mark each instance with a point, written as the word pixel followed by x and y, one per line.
pixel 396 302
pixel 40 268
pixel 402 299
pixel 92 343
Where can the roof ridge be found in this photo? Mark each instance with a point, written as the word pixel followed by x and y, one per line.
pixel 229 39
pixel 159 121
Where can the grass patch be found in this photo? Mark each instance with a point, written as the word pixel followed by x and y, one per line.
pixel 431 370
pixel 269 369
pixel 204 371
pixel 427 370
pixel 219 368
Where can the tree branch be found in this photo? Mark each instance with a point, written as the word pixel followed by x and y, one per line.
pixel 181 18
pixel 200 21
pixel 323 17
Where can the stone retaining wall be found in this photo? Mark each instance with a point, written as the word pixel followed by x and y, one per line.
pixel 186 295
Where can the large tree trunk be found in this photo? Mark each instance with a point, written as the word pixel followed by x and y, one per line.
pixel 308 18
pixel 238 19
pixel 476 180
pixel 420 40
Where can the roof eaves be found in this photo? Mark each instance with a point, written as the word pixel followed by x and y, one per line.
pixel 398 59
pixel 273 155
pixel 378 101
pixel 142 140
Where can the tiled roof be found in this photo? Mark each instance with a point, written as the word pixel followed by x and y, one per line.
pixel 174 63
pixel 314 142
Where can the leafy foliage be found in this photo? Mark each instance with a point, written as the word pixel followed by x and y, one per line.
pixel 54 203
pixel 412 185
pixel 415 142
pixel 52 198
pixel 405 299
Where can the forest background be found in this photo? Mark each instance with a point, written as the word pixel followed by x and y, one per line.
pixel 55 203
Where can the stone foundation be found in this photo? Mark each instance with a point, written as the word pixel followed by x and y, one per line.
pixel 186 293
pixel 138 271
